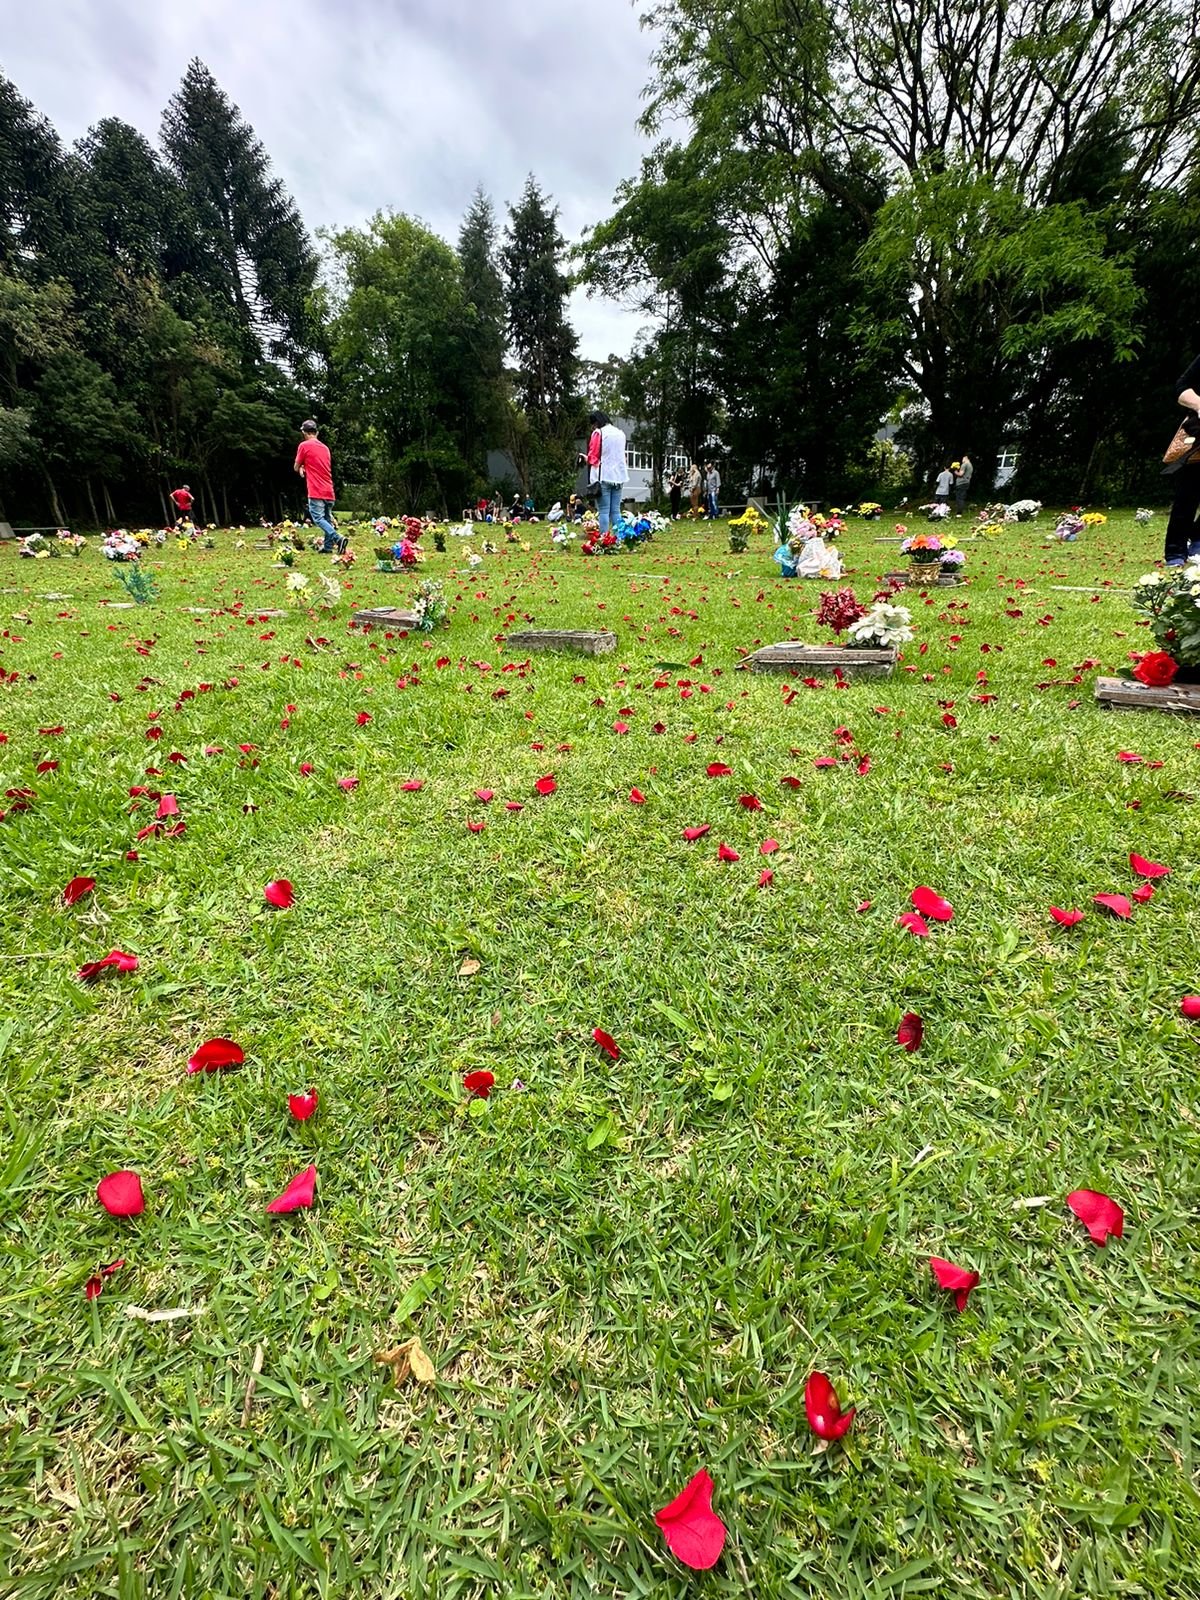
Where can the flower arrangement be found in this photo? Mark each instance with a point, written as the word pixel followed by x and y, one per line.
pixel 633 533
pixel 952 560
pixel 439 540
pixel 658 523
pixel 1093 519
pixel 590 523
pixel 923 548
pixel 1142 516
pixel 751 519
pixel 996 514
pixel 405 552
pixel 562 535
pixel 870 509
pixel 294 589
pixel 72 543
pixel 1023 510
pixel 331 591
pixel 121 546
pixel 882 627
pixel 739 538
pixel 429 603
pixel 989 530
pixel 345 560
pixel 799 524
pixel 36 545
pixel 936 510
pixel 1171 602
pixel 839 609
pixel 1068 527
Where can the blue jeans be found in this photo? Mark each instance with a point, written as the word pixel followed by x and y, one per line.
pixel 710 500
pixel 609 507
pixel 319 511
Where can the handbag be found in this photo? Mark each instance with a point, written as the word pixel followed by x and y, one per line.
pixel 1183 444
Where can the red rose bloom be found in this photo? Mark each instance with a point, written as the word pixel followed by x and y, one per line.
pixel 1156 670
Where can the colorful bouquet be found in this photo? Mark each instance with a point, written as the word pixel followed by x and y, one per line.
pixel 839 609
pixel 870 509
pixel 429 603
pixel 952 560
pixel 923 547
pixel 1069 527
pixel 936 510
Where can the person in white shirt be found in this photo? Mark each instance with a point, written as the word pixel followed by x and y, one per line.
pixel 942 493
pixel 607 467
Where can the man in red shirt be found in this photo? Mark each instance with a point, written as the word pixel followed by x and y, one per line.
pixel 314 466
pixel 183 503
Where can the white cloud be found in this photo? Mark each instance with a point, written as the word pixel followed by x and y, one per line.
pixel 374 104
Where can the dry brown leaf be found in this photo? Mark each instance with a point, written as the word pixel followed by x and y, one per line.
pixel 408 1360
pixel 469 967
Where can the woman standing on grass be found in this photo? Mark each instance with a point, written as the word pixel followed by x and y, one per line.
pixel 607 467
pixel 694 482
pixel 1183 536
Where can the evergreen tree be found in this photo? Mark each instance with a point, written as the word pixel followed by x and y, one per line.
pixel 32 198
pixel 542 339
pixel 483 290
pixel 262 263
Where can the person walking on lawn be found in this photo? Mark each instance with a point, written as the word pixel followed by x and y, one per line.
pixel 181 499
pixel 314 466
pixel 1183 530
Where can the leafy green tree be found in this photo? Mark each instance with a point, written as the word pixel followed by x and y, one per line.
pixel 483 291
pixel 33 221
pixel 403 369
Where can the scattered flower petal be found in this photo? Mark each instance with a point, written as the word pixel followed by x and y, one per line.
pixel 636 797
pixel 724 853
pixel 751 802
pixel 1147 869
pixel 347 784
pixel 825 1415
pixel 115 959
pixel 1068 919
pixel 303 1105
pixel 607 1043
pixel 1117 904
pixel 76 889
pixel 546 785
pixel 692 1529
pixel 718 769
pixel 765 877
pixel 298 1194
pixel 1143 892
pixel 932 905
pixel 910 1032
pixel 915 923
pixel 1189 1007
pixel 279 893
pixel 215 1055
pixel 1099 1215
pixel 692 834
pixel 121 1194
pixel 957 1280
pixel 768 847
pixel 479 1083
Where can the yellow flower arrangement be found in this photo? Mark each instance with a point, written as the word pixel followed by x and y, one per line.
pixel 1093 519
pixel 750 519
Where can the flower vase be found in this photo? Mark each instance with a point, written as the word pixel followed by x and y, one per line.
pixel 924 572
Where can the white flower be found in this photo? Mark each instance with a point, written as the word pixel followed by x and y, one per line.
pixel 297 580
pixel 1151 577
pixel 884 624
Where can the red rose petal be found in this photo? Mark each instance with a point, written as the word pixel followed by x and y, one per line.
pixel 607 1043
pixel 479 1083
pixel 298 1194
pixel 692 1529
pixel 1147 869
pixel 865 905
pixel 910 1032
pixel 1099 1215
pixel 791 783
pixel 724 853
pixel 765 877
pixel 930 904
pixel 636 797
pixel 485 795
pixel 546 785
pixel 362 718
pixel 476 827
pixel 1067 918
pixel 1117 904
pixel 116 960
pixel 822 762
pixel 303 1105
pixel 768 847
pixel 216 1054
pixel 121 1194
pixel 692 834
pixel 751 802
pixel 76 890
pixel 718 769
pixel 958 1280
pixel 168 806
pixel 1143 892
pixel 347 784
pixel 1189 1007
pixel 413 786
pixel 915 923
pixel 823 1408
pixel 279 893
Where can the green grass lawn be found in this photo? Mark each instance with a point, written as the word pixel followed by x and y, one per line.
pixel 627 1270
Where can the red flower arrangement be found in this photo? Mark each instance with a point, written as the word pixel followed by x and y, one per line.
pixel 839 609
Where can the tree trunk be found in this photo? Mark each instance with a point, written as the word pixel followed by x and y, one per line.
pixel 60 516
pixel 110 511
pixel 225 500
pixel 92 503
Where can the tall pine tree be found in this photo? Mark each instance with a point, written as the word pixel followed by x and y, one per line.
pixel 263 261
pixel 542 339
pixel 483 290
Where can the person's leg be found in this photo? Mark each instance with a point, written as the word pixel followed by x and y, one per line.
pixel 610 506
pixel 319 511
pixel 1182 533
pixel 602 507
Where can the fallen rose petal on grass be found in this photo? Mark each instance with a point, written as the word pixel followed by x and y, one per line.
pixel 636 797
pixel 485 795
pixel 94 1287
pixel 413 786
pixel 479 1083
pixel 865 905
pixel 1068 919
pixel 765 877
pixel 168 806
pixel 607 1043
pixel 692 834
pixel 931 904
pixel 910 1032
pixel 476 827
pixel 298 1194
pixel 718 769
pixel 279 893
pixel 302 1106
pixel 1143 893
pixel 768 847
pixel 692 1529
pixel 915 923
pixel 120 1193
pixel 1101 1216
pixel 724 853
pixel 824 1410
pixel 348 784
pixel 750 802
pixel 1117 905
pixel 1147 869
pixel 1189 1007
pixel 957 1280
pixel 214 1055
pixel 76 889
pixel 546 785
pixel 114 961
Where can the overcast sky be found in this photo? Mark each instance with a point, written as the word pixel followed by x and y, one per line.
pixel 370 104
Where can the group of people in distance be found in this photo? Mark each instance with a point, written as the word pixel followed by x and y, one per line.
pixel 955 479
pixel 703 485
